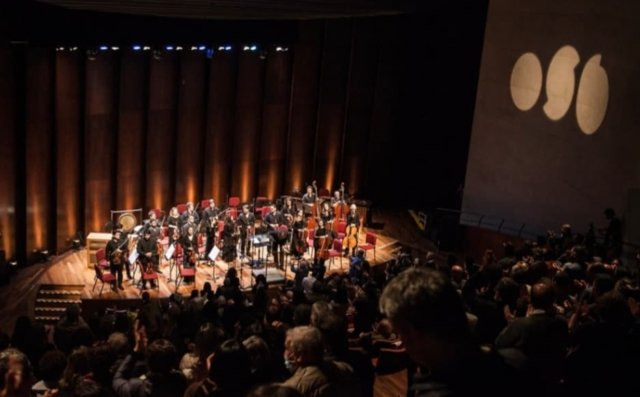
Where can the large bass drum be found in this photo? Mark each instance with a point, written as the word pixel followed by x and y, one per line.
pixel 128 221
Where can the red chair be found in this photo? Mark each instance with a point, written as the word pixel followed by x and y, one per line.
pixel 184 272
pixel 176 259
pixel 261 204
pixel 159 213
pixel 370 244
pixel 233 213
pixel 150 275
pixel 310 237
pixel 265 211
pixel 181 208
pixel 103 277
pixel 341 229
pixel 336 251
pixel 201 246
pixel 101 258
pixel 234 201
pixel 204 204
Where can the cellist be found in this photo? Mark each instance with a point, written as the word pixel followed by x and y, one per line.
pixel 350 242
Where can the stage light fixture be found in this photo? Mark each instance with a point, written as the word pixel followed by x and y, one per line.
pixel 73 48
pixel 114 48
pixel 169 48
pixel 179 48
pixel 137 48
pixel 227 48
pixel 194 48
pixel 13 263
pixel 103 48
pixel 146 48
pixel 253 48
pixel 91 55
pixel 246 48
pixel 202 48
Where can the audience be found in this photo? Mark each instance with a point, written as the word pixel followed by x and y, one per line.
pixel 545 317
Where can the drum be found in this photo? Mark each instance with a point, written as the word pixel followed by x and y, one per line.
pixel 128 221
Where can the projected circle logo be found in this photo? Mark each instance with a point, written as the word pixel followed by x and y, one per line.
pixel 592 95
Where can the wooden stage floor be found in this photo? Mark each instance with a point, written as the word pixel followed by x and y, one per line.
pixel 70 269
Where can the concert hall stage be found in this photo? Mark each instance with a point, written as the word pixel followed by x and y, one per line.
pixel 34 290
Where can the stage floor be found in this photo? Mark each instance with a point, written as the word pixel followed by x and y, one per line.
pixel 70 269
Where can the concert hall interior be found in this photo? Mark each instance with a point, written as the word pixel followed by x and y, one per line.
pixel 323 151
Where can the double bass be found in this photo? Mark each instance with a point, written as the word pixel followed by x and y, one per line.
pixel 325 245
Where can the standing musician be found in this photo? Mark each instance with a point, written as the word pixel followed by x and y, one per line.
pixel 298 241
pixel 173 220
pixel 124 235
pixel 116 258
pixel 246 223
pixel 336 199
pixel 153 224
pixel 326 214
pixel 278 230
pixel 229 252
pixel 353 224
pixel 190 212
pixel 309 199
pixel 289 209
pixel 190 222
pixel 189 242
pixel 322 241
pixel 149 256
pixel 210 219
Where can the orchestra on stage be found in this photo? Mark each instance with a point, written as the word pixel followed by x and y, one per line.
pixel 291 230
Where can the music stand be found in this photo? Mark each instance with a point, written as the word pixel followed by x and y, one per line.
pixel 260 242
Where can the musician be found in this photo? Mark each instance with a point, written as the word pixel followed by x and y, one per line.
pixel 190 212
pixel 210 219
pixel 115 256
pixel 246 222
pixel 326 214
pixel 189 223
pixel 336 199
pixel 353 219
pixel 309 200
pixel 124 235
pixel 298 242
pixel 277 229
pixel 322 241
pixel 289 209
pixel 173 220
pixel 229 236
pixel 189 242
pixel 149 255
pixel 309 197
pixel 153 224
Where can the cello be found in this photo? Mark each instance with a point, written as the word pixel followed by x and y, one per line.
pixel 350 241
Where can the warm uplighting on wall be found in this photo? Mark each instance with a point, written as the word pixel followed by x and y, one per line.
pixel 191 189
pixel 245 180
pixel 272 178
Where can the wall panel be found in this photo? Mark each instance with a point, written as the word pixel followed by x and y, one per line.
pixel 307 53
pixel 334 74
pixel 161 139
pixel 8 153
pixel 39 145
pixel 68 149
pixel 275 115
pixel 248 114
pixel 190 132
pixel 100 128
pixel 221 99
pixel 131 131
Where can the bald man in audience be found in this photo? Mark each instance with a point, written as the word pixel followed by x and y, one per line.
pixel 312 375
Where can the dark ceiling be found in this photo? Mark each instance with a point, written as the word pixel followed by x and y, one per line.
pixel 241 9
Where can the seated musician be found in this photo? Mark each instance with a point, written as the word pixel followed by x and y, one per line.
pixel 115 256
pixel 149 256
pixel 190 212
pixel 278 231
pixel 246 222
pixel 353 221
pixel 153 225
pixel 322 241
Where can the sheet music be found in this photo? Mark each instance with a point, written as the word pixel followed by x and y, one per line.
pixel 133 256
pixel 169 253
pixel 213 254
